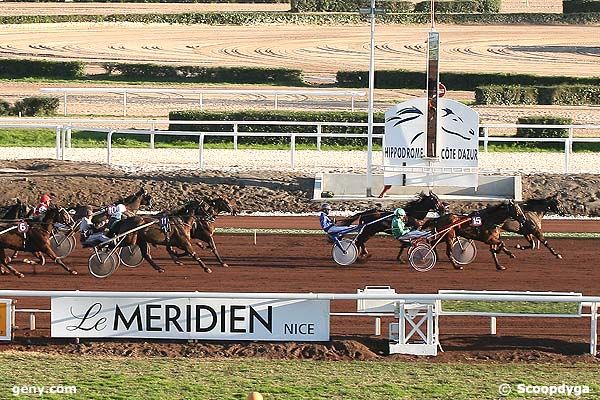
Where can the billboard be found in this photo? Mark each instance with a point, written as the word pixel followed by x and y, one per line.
pixel 405 143
pixel 190 318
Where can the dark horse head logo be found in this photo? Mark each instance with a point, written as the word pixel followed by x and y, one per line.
pixel 405 115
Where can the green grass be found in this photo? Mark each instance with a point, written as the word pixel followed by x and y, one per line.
pixel 188 378
pixel 523 307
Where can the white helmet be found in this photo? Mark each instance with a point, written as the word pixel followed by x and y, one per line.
pixel 121 208
pixel 399 212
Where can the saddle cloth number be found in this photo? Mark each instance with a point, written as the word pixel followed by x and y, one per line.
pixel 111 209
pixel 164 223
pixel 476 220
pixel 22 227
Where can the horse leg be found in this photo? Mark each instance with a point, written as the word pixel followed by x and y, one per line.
pixel 399 256
pixel 145 249
pixel 502 247
pixel 529 238
pixel 494 252
pixel 213 247
pixel 542 239
pixel 187 246
pixel 174 256
pixel 450 239
pixel 7 265
pixel 50 253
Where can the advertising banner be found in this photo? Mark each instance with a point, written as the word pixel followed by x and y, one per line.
pixel 191 318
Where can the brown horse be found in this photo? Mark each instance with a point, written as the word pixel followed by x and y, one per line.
pixel 205 212
pixel 483 226
pixel 531 228
pixel 173 231
pixel 135 201
pixel 16 211
pixel 36 240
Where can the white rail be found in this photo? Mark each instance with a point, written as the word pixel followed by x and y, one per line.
pixel 592 301
pixel 125 91
pixel 64 126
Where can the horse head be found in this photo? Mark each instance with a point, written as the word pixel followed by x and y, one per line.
pixel 424 203
pixel 146 200
pixel 552 204
pixel 222 204
pixel 18 210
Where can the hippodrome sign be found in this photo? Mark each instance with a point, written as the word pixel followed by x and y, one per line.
pixel 190 318
pixel 406 140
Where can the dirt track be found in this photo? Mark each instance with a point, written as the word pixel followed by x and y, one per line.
pixel 281 264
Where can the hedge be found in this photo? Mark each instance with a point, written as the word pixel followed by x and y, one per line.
pixel 41 69
pixel 274 115
pixel 544 95
pixel 581 6
pixel 30 107
pixel 544 132
pixel 189 73
pixel 348 6
pixel 400 79
pixel 457 6
pixel 154 1
pixel 256 18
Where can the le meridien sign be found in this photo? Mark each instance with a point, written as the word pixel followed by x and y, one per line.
pixel 405 144
pixel 191 318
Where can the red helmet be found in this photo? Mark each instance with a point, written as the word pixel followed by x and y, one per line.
pixel 45 198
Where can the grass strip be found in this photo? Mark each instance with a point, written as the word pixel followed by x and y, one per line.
pixel 192 378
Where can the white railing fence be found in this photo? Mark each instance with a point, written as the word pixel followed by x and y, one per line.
pixel 198 96
pixel 381 300
pixel 152 127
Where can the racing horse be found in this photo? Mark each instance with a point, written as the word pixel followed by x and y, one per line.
pixel 35 240
pixel 531 228
pixel 416 210
pixel 483 226
pixel 134 201
pixel 16 211
pixel 206 212
pixel 174 231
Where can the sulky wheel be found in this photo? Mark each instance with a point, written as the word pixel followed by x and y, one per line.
pixel 422 257
pixel 61 245
pixel 463 251
pixel 131 256
pixel 103 264
pixel 347 254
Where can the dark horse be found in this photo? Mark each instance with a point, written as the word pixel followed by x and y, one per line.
pixel 134 201
pixel 416 210
pixel 19 210
pixel 36 240
pixel 531 228
pixel 205 213
pixel 483 226
pixel 173 232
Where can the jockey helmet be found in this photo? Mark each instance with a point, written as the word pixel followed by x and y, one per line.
pixel 121 208
pixel 325 207
pixel 399 212
pixel 45 198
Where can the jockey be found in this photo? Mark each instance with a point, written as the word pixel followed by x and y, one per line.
pixel 117 215
pixel 42 207
pixel 91 234
pixel 327 224
pixel 399 229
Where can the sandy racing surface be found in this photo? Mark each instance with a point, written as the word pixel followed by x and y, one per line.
pixel 303 264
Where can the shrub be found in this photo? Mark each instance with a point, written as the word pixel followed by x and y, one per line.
pixel 456 6
pixel 4 108
pixel 39 68
pixel 581 6
pixel 544 132
pixel 274 115
pixel 190 73
pixel 506 95
pixel 35 106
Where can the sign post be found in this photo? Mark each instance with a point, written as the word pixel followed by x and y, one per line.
pixel 433 80
pixel 5 319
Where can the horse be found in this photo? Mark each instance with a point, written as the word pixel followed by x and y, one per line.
pixel 134 201
pixel 36 240
pixel 205 212
pixel 175 233
pixel 531 228
pixel 483 226
pixel 416 210
pixel 16 211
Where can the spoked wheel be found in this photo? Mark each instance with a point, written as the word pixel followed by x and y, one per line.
pixel 422 257
pixel 131 256
pixel 103 264
pixel 463 251
pixel 61 245
pixel 347 254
